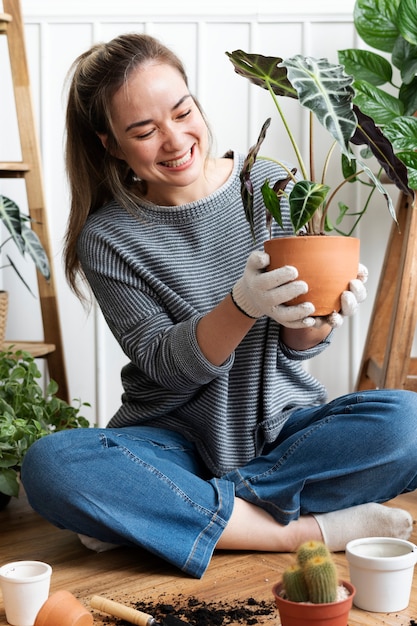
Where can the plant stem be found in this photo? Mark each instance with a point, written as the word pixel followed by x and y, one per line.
pixel 289 133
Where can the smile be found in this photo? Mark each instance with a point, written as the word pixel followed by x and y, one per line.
pixel 178 162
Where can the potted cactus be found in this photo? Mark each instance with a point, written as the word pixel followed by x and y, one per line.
pixel 310 592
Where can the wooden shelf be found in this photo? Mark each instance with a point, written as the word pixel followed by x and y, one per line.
pixel 35 348
pixel 13 169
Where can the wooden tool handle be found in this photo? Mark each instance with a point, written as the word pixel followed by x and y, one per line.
pixel 120 610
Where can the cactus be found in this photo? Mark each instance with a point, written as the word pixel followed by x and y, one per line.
pixel 321 579
pixel 310 549
pixel 313 578
pixel 295 584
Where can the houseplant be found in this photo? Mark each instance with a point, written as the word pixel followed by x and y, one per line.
pixel 310 592
pixel 386 85
pixel 326 91
pixel 26 242
pixel 27 413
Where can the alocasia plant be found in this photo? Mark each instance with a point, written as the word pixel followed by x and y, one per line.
pixel 327 91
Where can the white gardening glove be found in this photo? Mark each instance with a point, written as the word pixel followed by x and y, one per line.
pixel 349 301
pixel 258 293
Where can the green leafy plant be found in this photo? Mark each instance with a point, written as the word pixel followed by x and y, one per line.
pixel 313 577
pixel 27 413
pixel 24 238
pixel 386 88
pixel 328 93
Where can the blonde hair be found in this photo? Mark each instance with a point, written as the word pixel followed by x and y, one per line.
pixel 95 176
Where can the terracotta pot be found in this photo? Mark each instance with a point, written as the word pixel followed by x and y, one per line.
pixel 307 614
pixel 326 263
pixel 63 609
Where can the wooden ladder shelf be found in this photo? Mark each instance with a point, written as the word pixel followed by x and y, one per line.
pixel 387 360
pixel 11 25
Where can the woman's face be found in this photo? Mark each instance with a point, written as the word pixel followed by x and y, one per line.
pixel 161 133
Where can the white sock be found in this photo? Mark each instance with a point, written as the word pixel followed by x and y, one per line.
pixel 364 520
pixel 95 544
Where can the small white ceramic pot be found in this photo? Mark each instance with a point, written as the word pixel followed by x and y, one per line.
pixel 381 569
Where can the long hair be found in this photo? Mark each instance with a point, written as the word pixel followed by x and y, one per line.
pixel 95 176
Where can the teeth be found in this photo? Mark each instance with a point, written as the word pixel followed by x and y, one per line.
pixel 178 162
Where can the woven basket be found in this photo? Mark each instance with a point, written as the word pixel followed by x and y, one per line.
pixel 4 305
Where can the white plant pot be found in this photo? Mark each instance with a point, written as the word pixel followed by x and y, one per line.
pixel 381 569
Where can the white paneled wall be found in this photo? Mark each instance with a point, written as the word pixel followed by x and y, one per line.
pixel 58 31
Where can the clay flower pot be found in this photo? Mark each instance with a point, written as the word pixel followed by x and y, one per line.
pixel 308 614
pixel 63 609
pixel 326 263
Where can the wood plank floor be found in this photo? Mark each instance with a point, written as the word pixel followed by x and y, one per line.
pixel 133 576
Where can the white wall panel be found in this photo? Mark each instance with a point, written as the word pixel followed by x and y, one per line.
pixel 200 33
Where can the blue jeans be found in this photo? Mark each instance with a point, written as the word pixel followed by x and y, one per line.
pixel 147 486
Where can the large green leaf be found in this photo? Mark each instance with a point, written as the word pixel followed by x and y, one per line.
pixel 402 133
pixel 407 20
pixel 325 89
pixel 366 65
pixel 263 71
pixel 305 198
pixel 408 96
pixel 377 103
pixel 410 160
pixel 404 57
pixel 376 22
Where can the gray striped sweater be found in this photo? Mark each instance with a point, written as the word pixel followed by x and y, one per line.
pixel 155 273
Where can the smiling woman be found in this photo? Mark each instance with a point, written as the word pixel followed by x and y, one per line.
pixel 215 442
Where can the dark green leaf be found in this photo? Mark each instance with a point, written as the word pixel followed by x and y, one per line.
pixel 369 134
pixel 348 168
pixel 263 71
pixel 272 203
pixel 325 89
pixel 366 65
pixel 406 20
pixel 408 96
pixel 375 21
pixel 305 198
pixel 404 56
pixel 9 483
pixel 378 104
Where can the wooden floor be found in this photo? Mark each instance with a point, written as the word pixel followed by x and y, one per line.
pixel 133 576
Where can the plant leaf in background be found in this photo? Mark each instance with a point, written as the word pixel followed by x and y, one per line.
pixel 10 216
pixel 407 23
pixel 390 26
pixel 376 23
pixel 26 240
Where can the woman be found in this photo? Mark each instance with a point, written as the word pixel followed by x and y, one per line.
pixel 222 439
